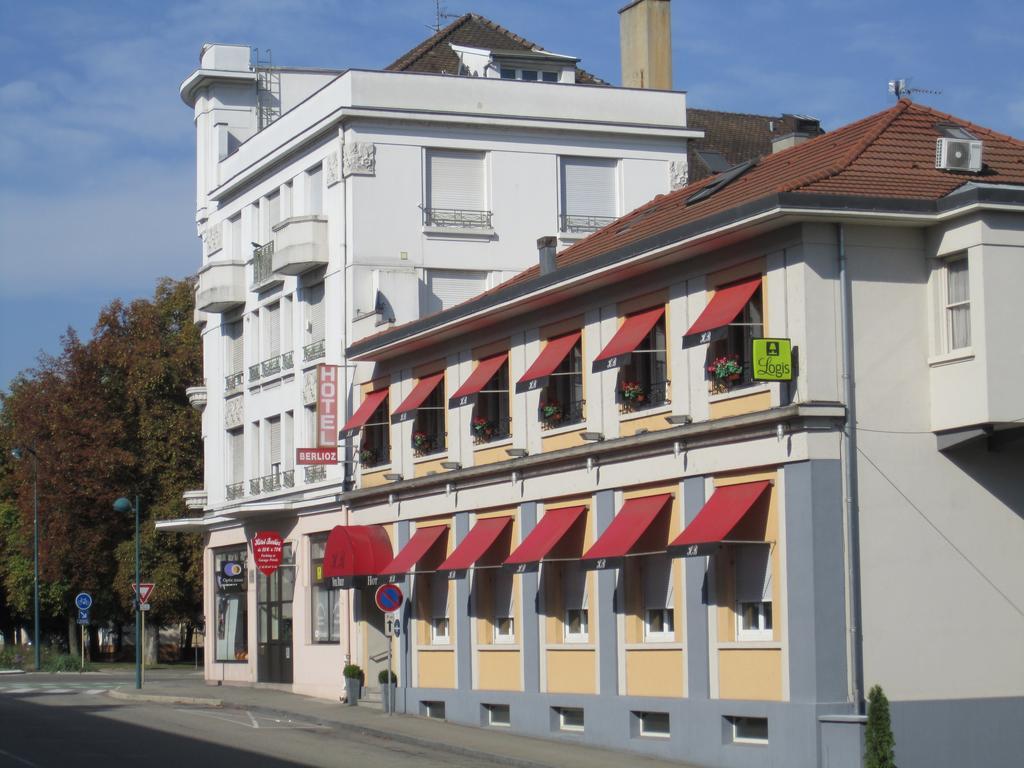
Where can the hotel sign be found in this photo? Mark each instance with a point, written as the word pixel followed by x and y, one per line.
pixel 327 407
pixel 316 455
pixel 772 360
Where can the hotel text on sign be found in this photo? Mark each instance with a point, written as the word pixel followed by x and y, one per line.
pixel 316 455
pixel 327 406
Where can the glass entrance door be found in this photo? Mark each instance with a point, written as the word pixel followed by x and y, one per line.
pixel 274 595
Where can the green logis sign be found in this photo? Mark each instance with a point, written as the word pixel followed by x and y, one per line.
pixel 773 359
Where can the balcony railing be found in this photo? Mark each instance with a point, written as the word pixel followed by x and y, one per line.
pixel 569 222
pixel 374 457
pixel 314 351
pixel 642 398
pixel 456 218
pixel 555 415
pixel 272 482
pixel 315 473
pixel 263 263
pixel 287 361
pixel 424 444
pixel 234 491
pixel 233 381
pixel 271 366
pixel 254 372
pixel 487 430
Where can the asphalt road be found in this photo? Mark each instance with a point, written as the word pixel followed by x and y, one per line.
pixel 63 724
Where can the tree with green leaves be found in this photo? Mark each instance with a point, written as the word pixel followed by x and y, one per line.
pixel 878 738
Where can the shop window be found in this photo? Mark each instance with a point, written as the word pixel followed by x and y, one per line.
pixel 325 602
pixel 570 718
pixel 957 301
pixel 729 362
pixel 576 603
pixel 504 607
pixel 375 445
pixel 562 401
pixel 440 633
pixel 753 591
pixel 749 730
pixel 428 434
pixel 491 419
pixel 643 381
pixel 231 640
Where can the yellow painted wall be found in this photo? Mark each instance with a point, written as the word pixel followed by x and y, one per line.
pixel 425 467
pixel 486 455
pixel 655 672
pixel 740 404
pixel 436 668
pixel 631 423
pixel 498 670
pixel 750 673
pixel 371 479
pixel 572 671
pixel 562 440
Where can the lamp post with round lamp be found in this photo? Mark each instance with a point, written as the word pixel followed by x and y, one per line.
pixel 122 505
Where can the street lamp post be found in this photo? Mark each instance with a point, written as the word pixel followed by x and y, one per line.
pixel 16 452
pixel 122 505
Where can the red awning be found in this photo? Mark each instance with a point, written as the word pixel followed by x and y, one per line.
pixel 545 536
pixel 627 338
pixel 363 413
pixel 355 551
pixel 477 544
pixel 547 361
pixel 419 393
pixel 478 379
pixel 633 520
pixel 724 307
pixel 719 516
pixel 415 550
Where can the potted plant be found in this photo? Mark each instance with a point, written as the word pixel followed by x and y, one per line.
pixel 482 428
pixel 632 393
pixel 388 684
pixel 353 675
pixel 551 412
pixel 367 455
pixel 725 371
pixel 420 441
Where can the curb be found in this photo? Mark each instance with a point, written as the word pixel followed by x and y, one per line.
pixel 155 698
pixel 12 672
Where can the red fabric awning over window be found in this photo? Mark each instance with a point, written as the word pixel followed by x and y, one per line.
pixel 364 412
pixel 717 518
pixel 478 379
pixel 419 393
pixel 545 536
pixel 356 550
pixel 415 550
pixel 633 520
pixel 477 544
pixel 627 338
pixel 724 307
pixel 548 360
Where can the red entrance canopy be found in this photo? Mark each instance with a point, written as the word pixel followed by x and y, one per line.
pixel 723 308
pixel 478 379
pixel 627 338
pixel 547 361
pixel 364 412
pixel 719 516
pixel 355 551
pixel 633 520
pixel 419 393
pixel 477 544
pixel 545 536
pixel 415 550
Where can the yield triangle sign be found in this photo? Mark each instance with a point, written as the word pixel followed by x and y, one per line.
pixel 143 591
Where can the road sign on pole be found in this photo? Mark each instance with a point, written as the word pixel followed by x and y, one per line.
pixel 83 601
pixel 392 625
pixel 142 592
pixel 83 616
pixel 389 597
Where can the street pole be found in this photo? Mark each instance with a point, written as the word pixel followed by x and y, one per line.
pixel 138 603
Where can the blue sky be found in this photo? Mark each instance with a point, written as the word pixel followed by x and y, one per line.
pixel 97 150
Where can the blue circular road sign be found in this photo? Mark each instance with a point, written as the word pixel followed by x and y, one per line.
pixel 83 600
pixel 389 597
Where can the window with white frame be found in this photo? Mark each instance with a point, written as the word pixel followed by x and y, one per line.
pixel 530 75
pixel 234 346
pixel 957 300
pixel 589 193
pixel 658 595
pixel 643 381
pixel 444 288
pixel 456 190
pixel 570 718
pixel 315 328
pixel 270 326
pixel 749 730
pixel 236 461
pixel 576 623
pixel 439 623
pixel 273 468
pixel 504 607
pixel 737 344
pixel 753 564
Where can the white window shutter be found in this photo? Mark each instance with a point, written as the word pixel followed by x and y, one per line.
pixel 575 586
pixel 503 603
pixel 448 287
pixel 236 446
pixel 235 347
pixel 316 315
pixel 439 596
pixel 588 187
pixel 657 578
pixel 315 191
pixel 275 440
pixel 272 321
pixel 753 573
pixel 455 180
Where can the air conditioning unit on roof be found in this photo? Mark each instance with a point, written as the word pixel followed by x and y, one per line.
pixel 958 155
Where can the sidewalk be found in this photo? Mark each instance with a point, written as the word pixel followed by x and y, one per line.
pixel 489 745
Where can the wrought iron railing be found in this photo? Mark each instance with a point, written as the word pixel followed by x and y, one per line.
pixel 641 398
pixel 575 223
pixel 315 473
pixel 424 444
pixel 287 361
pixel 256 486
pixel 273 482
pixel 288 478
pixel 271 366
pixel 234 491
pixel 233 381
pixel 254 372
pixel 263 263
pixel 456 217
pixel 374 457
pixel 314 351
pixel 555 415
pixel 487 430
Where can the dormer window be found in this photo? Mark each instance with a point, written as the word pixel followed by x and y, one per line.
pixel 532 75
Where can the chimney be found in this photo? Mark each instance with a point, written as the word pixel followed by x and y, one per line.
pixel 546 254
pixel 803 129
pixel 645 40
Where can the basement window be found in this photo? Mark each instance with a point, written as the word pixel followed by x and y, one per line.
pixel 570 719
pixel 499 715
pixel 432 709
pixel 749 730
pixel 653 724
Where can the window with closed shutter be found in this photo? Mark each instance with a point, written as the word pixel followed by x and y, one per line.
pixel 234 347
pixel 315 191
pixel 236 451
pixel 753 564
pixel 272 329
pixel 658 593
pixel 315 313
pixel 274 425
pixel 456 190
pixel 589 199
pixel 448 287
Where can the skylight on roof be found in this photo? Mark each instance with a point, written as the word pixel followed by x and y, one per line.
pixel 953 131
pixel 714 160
pixel 722 180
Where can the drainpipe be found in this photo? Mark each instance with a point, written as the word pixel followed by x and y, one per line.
pixel 851 509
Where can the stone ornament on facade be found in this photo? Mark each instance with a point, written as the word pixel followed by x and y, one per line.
pixel 212 239
pixel 234 413
pixel 309 387
pixel 360 159
pixel 332 173
pixel 678 173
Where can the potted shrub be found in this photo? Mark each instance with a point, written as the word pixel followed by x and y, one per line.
pixel 367 455
pixel 483 429
pixel 632 393
pixel 551 412
pixel 725 371
pixel 388 684
pixel 420 441
pixel 353 675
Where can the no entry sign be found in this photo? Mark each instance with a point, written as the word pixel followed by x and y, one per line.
pixel 388 597
pixel 267 551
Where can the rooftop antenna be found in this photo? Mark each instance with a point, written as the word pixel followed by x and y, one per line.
pixel 901 89
pixel 440 14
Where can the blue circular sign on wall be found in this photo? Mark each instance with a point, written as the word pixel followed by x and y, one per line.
pixel 83 601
